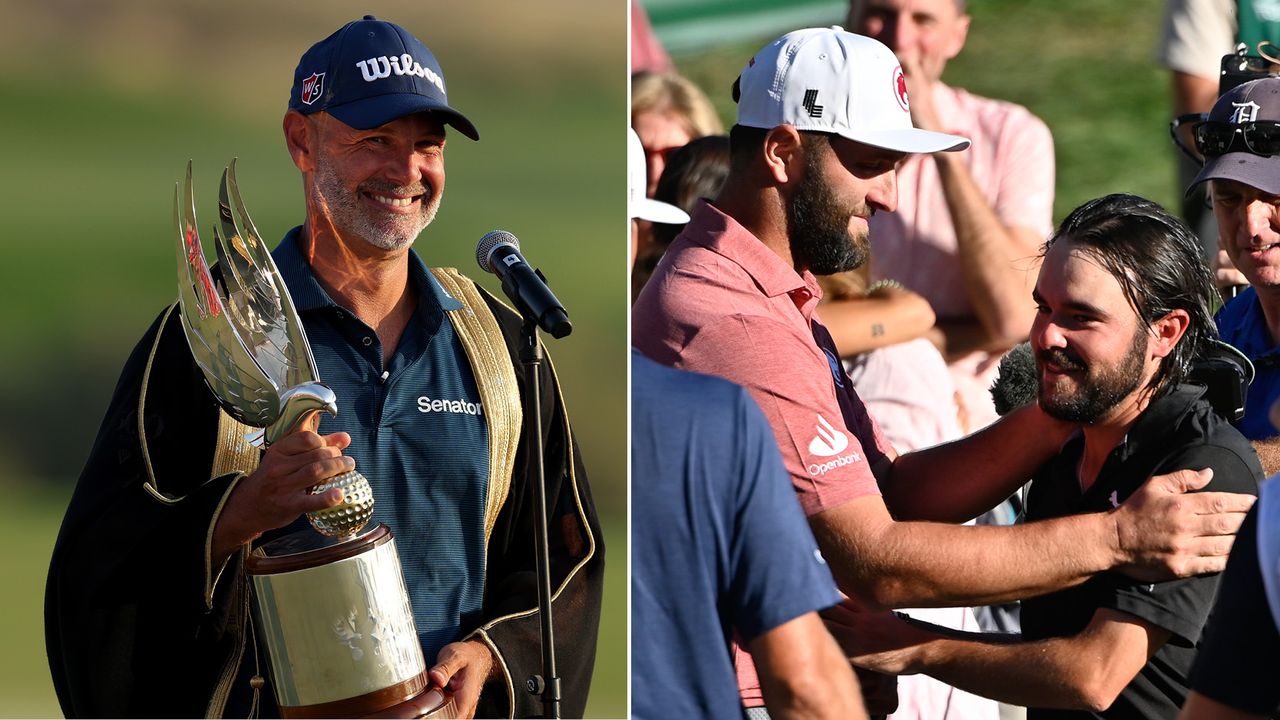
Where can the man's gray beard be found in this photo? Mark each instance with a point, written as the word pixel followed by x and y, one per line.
pixel 349 217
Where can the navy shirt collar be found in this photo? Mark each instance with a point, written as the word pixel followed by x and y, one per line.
pixel 309 295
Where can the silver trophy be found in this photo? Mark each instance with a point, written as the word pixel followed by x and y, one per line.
pixel 332 607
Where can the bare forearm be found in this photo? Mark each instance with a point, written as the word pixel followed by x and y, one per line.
pixel 997 263
pixel 981 470
pixel 858 326
pixel 1043 674
pixel 904 564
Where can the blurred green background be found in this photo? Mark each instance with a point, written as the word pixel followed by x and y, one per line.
pixel 101 105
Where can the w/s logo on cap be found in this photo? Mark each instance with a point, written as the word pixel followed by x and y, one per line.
pixel 312 88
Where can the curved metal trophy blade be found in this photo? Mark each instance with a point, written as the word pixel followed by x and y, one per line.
pixel 258 301
pixel 249 342
pixel 234 377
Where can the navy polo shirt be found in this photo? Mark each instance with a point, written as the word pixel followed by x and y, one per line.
pixel 418 434
pixel 719 542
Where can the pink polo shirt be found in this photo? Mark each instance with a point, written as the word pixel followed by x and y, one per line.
pixel 722 303
pixel 1012 162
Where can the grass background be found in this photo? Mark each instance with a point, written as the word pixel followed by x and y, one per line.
pixel 101 105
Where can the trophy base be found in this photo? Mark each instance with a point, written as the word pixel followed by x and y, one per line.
pixel 335 619
pixel 433 704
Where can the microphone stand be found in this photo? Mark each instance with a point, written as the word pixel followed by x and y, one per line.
pixel 548 684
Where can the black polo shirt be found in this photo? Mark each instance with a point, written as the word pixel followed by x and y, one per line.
pixel 1177 431
pixel 1237 662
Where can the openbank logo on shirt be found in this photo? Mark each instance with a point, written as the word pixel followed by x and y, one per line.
pixel 827 443
pixel 456 407
pixel 829 440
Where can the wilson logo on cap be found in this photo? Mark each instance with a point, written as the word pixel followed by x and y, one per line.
pixel 312 88
pixel 376 68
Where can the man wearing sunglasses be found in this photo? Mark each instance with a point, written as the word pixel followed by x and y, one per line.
pixel 1240 142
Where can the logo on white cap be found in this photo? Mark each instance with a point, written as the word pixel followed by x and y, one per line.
pixel 900 88
pixel 811 103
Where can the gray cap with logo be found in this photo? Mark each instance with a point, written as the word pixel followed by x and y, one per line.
pixel 1240 139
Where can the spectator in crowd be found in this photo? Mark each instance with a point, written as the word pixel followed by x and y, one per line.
pixel 1194 36
pixel 720 549
pixel 1122 309
pixel 647 52
pixel 813 155
pixel 667 111
pixel 968 224
pixel 1239 144
pixel 693 172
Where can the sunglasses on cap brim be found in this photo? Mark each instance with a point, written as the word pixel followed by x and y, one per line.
pixel 1261 137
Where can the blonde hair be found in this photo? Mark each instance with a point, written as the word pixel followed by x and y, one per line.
pixel 668 92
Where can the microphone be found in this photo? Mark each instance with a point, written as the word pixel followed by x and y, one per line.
pixel 1017 384
pixel 498 252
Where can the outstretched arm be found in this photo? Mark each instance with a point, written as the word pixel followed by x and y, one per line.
pixel 1157 533
pixel 960 480
pixel 1086 671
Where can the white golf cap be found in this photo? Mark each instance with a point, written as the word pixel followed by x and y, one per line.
pixel 639 206
pixel 830 80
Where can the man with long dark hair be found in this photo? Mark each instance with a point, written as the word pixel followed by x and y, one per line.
pixel 1122 308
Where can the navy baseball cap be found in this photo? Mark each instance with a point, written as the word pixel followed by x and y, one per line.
pixel 369 73
pixel 1246 122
